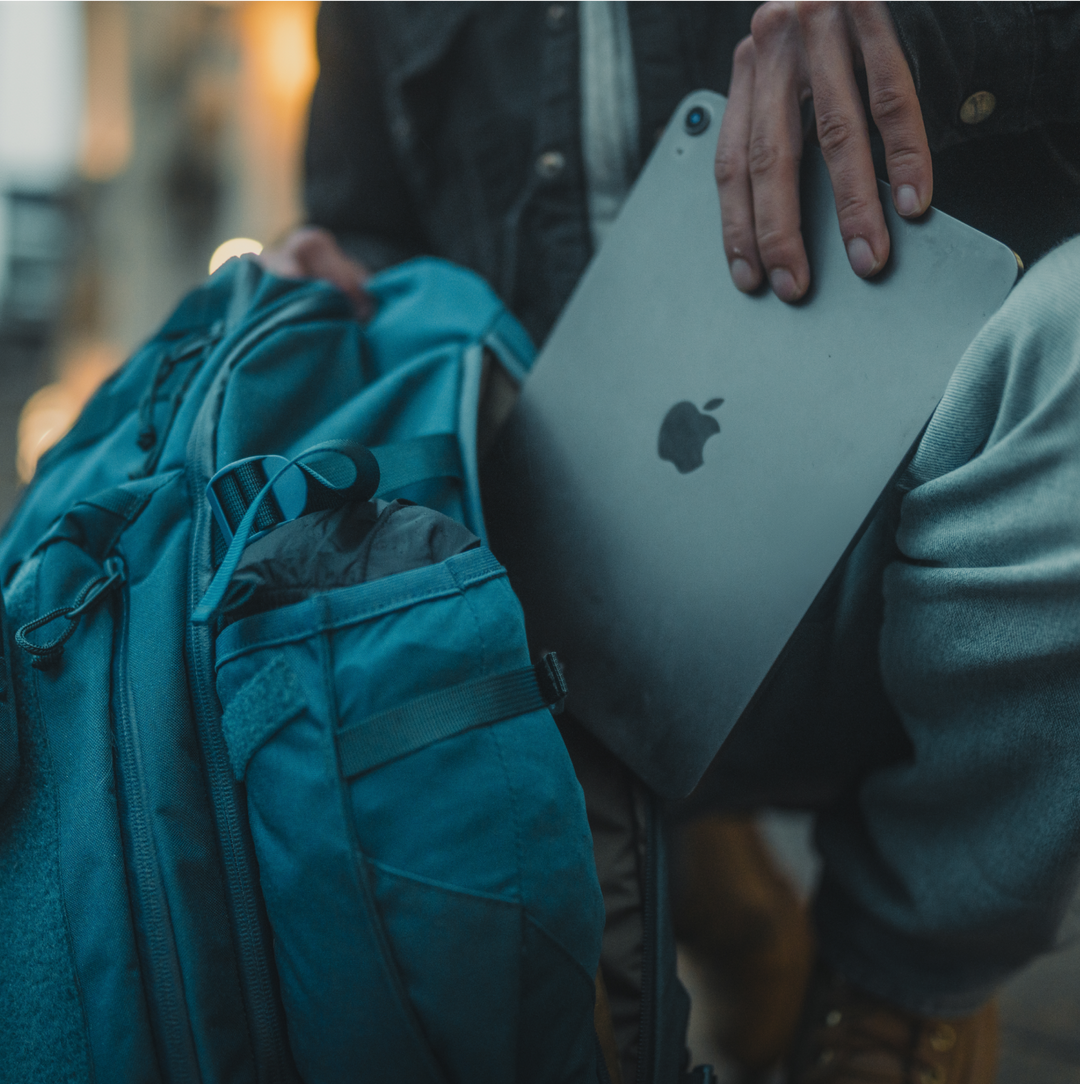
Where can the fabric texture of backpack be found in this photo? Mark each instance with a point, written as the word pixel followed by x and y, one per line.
pixel 328 831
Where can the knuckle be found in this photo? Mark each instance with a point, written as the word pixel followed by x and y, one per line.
pixel 744 51
pixel 836 130
pixel 771 20
pixel 729 164
pixel 905 158
pixel 309 240
pixel 854 208
pixel 777 246
pixel 889 103
pixel 811 11
pixel 763 157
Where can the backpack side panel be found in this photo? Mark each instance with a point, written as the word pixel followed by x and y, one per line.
pixel 132 874
pixel 155 719
pixel 9 726
pixel 43 1034
pixel 463 872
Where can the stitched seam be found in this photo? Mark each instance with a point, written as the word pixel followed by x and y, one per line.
pixel 431 882
pixel 327 607
pixel 537 924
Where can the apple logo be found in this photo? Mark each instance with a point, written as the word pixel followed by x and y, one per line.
pixel 683 434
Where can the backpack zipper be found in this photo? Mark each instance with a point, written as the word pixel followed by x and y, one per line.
pixel 272 1061
pixel 164 990
pixel 250 929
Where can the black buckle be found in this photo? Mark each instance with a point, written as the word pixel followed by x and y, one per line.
pixel 551 681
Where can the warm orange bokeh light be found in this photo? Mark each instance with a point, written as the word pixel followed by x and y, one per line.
pixel 108 122
pixel 283 36
pixel 278 69
pixel 51 411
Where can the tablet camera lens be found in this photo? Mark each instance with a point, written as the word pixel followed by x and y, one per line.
pixel 697 119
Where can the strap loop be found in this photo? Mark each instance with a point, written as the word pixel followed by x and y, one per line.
pixel 254 495
pixel 418 460
pixel 342 467
pixel 419 723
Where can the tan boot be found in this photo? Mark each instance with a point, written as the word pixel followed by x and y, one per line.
pixel 740 918
pixel 848 1037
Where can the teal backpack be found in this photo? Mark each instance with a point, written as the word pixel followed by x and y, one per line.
pixel 282 796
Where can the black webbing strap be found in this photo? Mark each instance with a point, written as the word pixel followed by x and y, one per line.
pixel 237 489
pixel 421 722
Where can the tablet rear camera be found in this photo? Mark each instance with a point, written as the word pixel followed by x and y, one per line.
pixel 696 120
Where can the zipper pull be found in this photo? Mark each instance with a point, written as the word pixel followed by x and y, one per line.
pixel 47 655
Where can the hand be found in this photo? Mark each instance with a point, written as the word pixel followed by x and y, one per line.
pixel 813 50
pixel 312 253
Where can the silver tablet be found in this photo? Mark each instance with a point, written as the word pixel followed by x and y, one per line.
pixel 687 464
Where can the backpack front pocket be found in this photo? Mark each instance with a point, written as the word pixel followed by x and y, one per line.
pixel 430 884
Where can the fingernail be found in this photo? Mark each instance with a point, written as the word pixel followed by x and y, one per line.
pixel 742 274
pixel 783 284
pixel 861 257
pixel 907 200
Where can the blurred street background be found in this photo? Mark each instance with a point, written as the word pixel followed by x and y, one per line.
pixel 136 139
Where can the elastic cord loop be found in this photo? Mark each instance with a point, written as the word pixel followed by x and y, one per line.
pixel 359 488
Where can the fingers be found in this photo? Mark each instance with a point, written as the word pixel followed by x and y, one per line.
pixel 843 135
pixel 312 252
pixel 758 155
pixel 322 258
pixel 894 106
pixel 733 177
pixel 813 49
pixel 775 149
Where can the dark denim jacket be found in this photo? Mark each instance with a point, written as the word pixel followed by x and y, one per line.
pixel 452 128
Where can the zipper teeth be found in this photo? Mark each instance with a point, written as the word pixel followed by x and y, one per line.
pixel 271 1057
pixel 269 1047
pixel 165 978
pixel 205 345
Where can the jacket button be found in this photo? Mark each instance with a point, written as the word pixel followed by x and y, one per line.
pixel 550 164
pixel 556 16
pixel 978 107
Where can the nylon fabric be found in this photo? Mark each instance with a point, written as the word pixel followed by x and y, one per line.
pixel 269 700
pixel 9 727
pixel 357 543
pixel 162 922
pixel 42 1029
pixel 410 462
pixel 417 891
pixel 73 701
pixel 435 717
